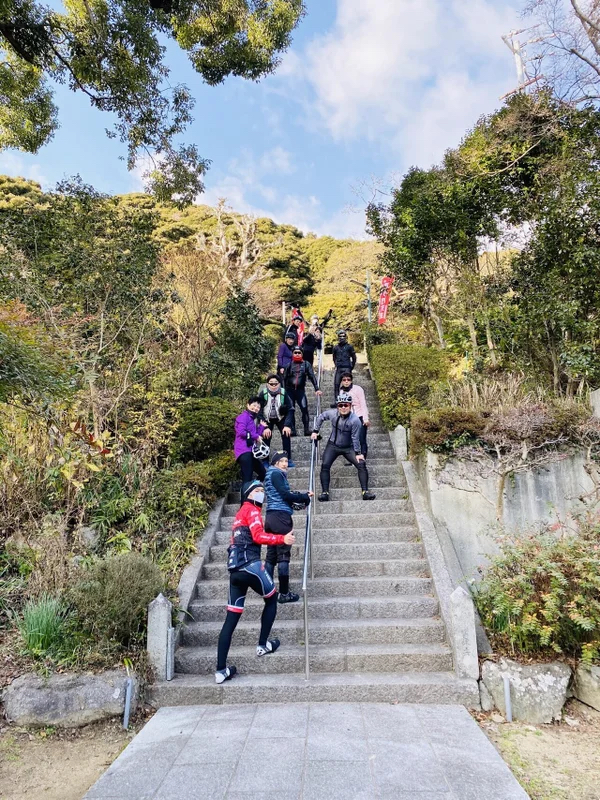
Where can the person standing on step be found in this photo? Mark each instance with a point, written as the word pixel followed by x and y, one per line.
pixel 296 328
pixel 284 354
pixel 278 412
pixel 247 571
pixel 249 430
pixel 312 341
pixel 344 359
pixel 359 407
pixel 280 507
pixel 344 440
pixel 294 380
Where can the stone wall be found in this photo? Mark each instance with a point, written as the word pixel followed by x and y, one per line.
pixel 465 502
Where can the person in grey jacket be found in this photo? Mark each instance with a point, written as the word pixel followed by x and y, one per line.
pixel 344 440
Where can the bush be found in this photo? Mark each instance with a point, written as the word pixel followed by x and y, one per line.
pixel 541 595
pixel 112 597
pixel 444 429
pixel 205 428
pixel 404 375
pixel 43 626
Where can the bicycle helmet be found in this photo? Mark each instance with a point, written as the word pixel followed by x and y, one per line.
pixel 343 398
pixel 260 450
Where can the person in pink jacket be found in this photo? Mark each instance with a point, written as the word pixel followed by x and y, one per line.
pixel 359 407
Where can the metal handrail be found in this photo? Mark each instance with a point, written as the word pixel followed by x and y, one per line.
pixel 308 562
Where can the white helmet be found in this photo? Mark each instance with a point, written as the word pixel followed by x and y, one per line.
pixel 260 450
pixel 343 398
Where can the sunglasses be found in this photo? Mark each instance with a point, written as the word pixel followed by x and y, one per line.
pixel 273 383
pixel 343 405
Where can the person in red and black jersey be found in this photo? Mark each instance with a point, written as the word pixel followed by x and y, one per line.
pixel 247 571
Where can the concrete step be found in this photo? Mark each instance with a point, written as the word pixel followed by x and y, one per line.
pixel 397 630
pixel 342 552
pixel 342 569
pixel 349 492
pixel 324 607
pixel 365 687
pixel 341 658
pixel 379 474
pixel 397 533
pixel 364 521
pixel 338 587
pixel 350 506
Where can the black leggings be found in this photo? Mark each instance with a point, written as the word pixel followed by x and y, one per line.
pixel 298 397
pixel 285 440
pixel 249 465
pixel 329 456
pixel 239 582
pixel 279 554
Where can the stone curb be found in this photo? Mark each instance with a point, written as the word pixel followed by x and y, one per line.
pixel 190 575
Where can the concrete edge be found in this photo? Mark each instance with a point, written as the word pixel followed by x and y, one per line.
pixel 193 571
pixel 463 643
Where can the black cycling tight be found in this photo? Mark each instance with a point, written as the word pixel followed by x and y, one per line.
pixel 233 617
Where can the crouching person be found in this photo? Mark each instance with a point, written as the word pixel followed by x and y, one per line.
pixel 280 507
pixel 247 571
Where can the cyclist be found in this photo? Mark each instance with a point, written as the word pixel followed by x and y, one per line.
pixel 280 507
pixel 344 359
pixel 249 430
pixel 247 571
pixel 359 407
pixel 284 354
pixel 312 341
pixel 344 440
pixel 294 379
pixel 278 412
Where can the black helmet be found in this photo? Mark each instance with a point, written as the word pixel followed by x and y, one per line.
pixel 249 487
pixel 342 334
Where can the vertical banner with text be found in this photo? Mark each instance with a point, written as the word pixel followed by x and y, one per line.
pixel 384 299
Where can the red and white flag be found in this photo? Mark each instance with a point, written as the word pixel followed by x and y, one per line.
pixel 384 299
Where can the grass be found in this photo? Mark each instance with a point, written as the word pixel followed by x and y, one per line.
pixel 43 626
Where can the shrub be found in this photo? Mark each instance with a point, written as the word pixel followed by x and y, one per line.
pixel 541 595
pixel 205 428
pixel 112 596
pixel 404 375
pixel 444 429
pixel 43 626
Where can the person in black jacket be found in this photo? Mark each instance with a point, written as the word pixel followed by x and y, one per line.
pixel 277 410
pixel 312 341
pixel 294 377
pixel 344 359
pixel 344 440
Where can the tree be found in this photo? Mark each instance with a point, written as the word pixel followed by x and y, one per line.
pixel 111 51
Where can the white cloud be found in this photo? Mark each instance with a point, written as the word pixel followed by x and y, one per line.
pixel 411 74
pixel 15 165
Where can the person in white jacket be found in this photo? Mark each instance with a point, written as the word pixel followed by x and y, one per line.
pixel 359 406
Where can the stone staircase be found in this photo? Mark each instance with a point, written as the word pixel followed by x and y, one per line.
pixel 375 632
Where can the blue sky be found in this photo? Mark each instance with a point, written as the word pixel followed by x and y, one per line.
pixel 368 88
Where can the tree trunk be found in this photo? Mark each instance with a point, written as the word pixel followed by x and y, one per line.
pixel 490 343
pixel 440 329
pixel 473 335
pixel 500 496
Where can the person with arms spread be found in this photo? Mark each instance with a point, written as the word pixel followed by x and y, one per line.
pixel 344 440
pixel 247 571
pixel 278 412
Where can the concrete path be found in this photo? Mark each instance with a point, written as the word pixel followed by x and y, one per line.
pixel 309 751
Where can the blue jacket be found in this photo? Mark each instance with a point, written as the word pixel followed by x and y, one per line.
pixel 278 493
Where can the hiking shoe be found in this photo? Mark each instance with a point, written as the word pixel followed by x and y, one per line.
pixel 226 674
pixel 290 463
pixel 307 433
pixel 290 597
pixel 269 647
pixel 368 495
pixel 324 497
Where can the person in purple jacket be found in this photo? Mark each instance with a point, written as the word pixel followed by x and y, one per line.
pixel 248 430
pixel 284 354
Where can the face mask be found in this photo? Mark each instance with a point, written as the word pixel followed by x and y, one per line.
pixel 253 414
pixel 258 498
pixel 297 357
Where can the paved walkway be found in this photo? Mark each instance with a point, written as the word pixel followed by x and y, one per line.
pixel 309 751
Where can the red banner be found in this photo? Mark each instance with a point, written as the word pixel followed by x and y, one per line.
pixel 384 299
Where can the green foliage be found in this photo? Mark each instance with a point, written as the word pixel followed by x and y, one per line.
pixel 112 51
pixel 234 367
pixel 205 428
pixel 404 375
pixel 25 369
pixel 43 627
pixel 541 595
pixel 112 596
pixel 444 429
